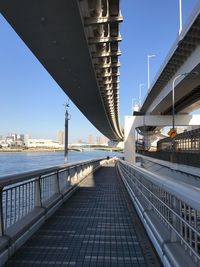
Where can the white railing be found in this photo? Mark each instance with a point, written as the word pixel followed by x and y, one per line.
pixel 22 195
pixel 170 210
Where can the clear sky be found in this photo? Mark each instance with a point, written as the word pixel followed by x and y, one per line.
pixel 32 103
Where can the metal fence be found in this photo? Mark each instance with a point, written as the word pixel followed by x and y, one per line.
pixel 175 206
pixel 187 142
pixel 22 194
pixel 190 159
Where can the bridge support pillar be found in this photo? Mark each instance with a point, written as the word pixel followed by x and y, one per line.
pixel 129 139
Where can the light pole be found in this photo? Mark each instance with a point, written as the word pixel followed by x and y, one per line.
pixel 133 101
pixel 180 16
pixel 149 56
pixel 67 118
pixel 140 94
pixel 173 87
pixel 173 105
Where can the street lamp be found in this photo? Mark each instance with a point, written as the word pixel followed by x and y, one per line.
pixel 140 94
pixel 149 56
pixel 67 118
pixel 173 86
pixel 180 16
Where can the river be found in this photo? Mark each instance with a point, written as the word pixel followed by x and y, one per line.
pixel 18 162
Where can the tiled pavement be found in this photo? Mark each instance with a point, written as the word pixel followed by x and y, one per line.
pixel 96 227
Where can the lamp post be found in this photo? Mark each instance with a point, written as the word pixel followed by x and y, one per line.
pixel 173 87
pixel 173 105
pixel 140 94
pixel 180 16
pixel 132 103
pixel 67 118
pixel 173 113
pixel 149 56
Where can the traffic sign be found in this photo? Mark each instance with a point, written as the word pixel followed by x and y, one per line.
pixel 172 133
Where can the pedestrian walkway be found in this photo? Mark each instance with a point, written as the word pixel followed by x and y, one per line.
pixel 96 227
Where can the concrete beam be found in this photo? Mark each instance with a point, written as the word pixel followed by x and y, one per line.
pixel 102 20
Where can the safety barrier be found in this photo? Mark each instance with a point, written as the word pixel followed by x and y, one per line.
pixel 170 212
pixel 28 199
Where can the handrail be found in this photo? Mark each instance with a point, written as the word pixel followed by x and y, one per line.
pixel 23 194
pixel 162 201
pixel 187 193
pixel 17 178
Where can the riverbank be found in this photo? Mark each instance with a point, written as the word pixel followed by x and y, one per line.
pixel 7 150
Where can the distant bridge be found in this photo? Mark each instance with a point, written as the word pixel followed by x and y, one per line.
pixel 82 147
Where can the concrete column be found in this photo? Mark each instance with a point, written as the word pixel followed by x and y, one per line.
pixel 129 139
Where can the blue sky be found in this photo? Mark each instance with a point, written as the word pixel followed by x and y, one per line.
pixel 32 102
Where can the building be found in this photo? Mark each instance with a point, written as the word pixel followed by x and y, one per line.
pixel 60 137
pixel 101 140
pixel 43 143
pixel 91 139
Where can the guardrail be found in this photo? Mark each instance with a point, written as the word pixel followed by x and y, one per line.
pixel 170 212
pixel 189 159
pixel 28 199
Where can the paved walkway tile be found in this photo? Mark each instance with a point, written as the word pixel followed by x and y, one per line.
pixel 96 227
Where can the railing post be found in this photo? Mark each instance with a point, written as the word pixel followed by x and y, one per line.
pixel 84 170
pixel 38 200
pixel 67 177
pixel 76 173
pixel 173 235
pixel 81 171
pixel 57 183
pixel 1 213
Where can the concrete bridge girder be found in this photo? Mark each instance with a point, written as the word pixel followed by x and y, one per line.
pixel 183 86
pixel 182 58
pixel 59 34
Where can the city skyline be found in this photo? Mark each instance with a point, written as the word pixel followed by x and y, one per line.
pixel 32 102
pixel 59 137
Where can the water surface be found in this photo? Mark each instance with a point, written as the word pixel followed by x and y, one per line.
pixel 18 162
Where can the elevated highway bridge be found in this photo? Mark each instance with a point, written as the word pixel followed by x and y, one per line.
pixel 174 94
pixel 90 213
pixel 183 58
pixel 78 44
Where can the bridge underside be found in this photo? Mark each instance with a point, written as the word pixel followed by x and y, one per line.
pixel 64 41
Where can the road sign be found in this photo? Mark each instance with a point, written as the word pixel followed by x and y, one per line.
pixel 172 133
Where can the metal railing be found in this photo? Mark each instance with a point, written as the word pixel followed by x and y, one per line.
pixel 175 206
pixel 186 142
pixel 22 194
pixel 189 159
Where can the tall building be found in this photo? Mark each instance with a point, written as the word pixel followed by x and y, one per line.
pixel 60 137
pixel 102 140
pixel 91 139
pixel 22 137
pixel 98 140
pixel 14 136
